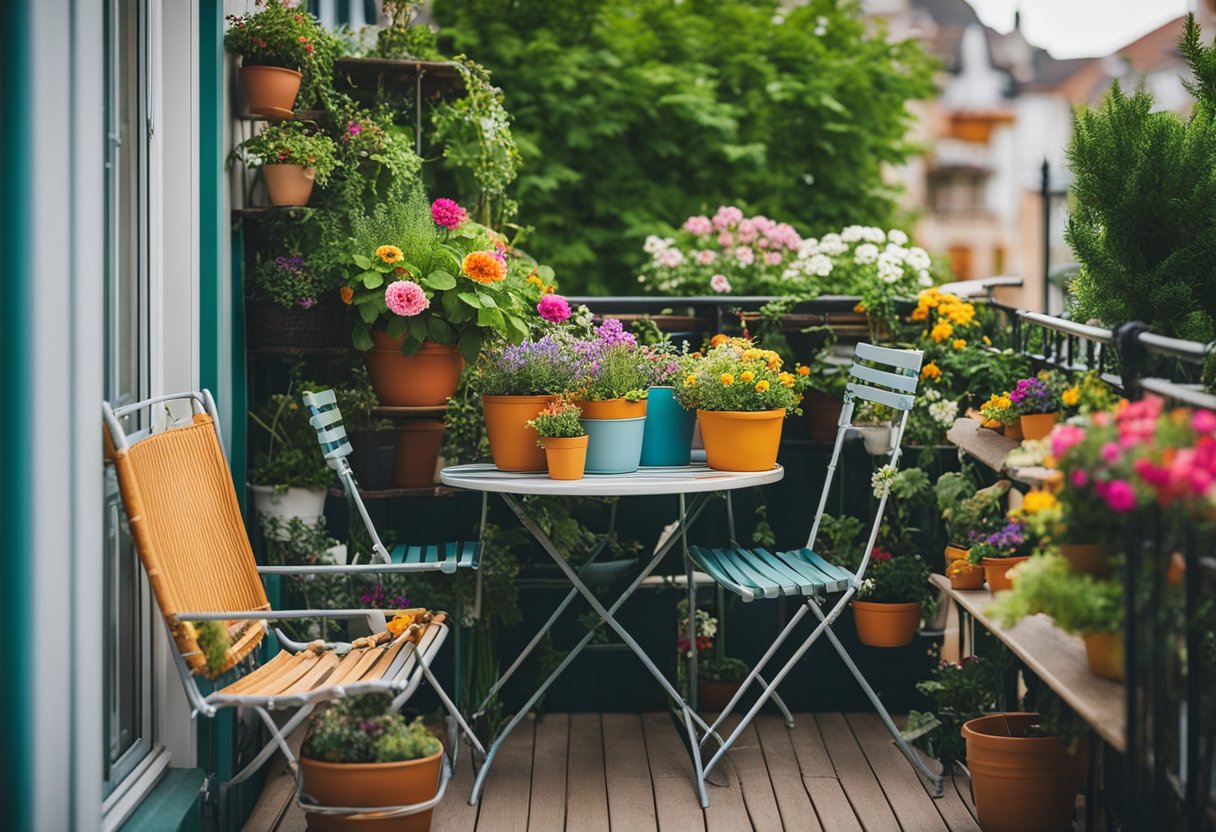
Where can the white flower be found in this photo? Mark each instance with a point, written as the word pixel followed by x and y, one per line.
pixel 670 257
pixel 654 245
pixel 819 265
pixel 851 234
pixel 918 258
pixel 808 248
pixel 943 412
pixel 931 394
pixel 898 237
pixel 924 279
pixel 866 253
pixel 641 278
pixel 881 481
pixel 895 251
pixel 873 235
pixel 832 245
pixel 890 268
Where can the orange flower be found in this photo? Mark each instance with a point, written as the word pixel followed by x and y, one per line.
pixel 483 267
pixel 960 343
pixel 747 375
pixel 550 289
pixel 389 254
pixel 718 340
pixel 920 313
pixel 931 372
pixel 804 370
pixel 761 386
pixel 859 308
pixel 787 379
pixel 347 294
pixel 727 379
pixel 536 281
pixel 400 622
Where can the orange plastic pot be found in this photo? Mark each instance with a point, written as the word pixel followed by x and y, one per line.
pixel 418 449
pixel 1105 654
pixel 969 579
pixel 613 409
pixel 996 569
pixel 737 441
pixel 1021 783
pixel 1038 425
pixel 288 184
pixel 271 90
pixel 428 378
pixel 1087 558
pixel 566 456
pixel 1014 431
pixel 371 784
pixel 886 625
pixel 954 553
pixel 512 443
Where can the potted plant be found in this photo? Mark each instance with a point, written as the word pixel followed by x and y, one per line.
pixel 292 158
pixel 275 44
pixel 292 302
pixel 429 285
pixel 563 438
pixel 373 441
pixel 359 752
pixel 1037 402
pixel 960 691
pixel 718 680
pixel 288 476
pixel 873 422
pixel 742 396
pixel 667 436
pixel 998 413
pixel 966 510
pixel 999 552
pixel 891 598
pixel 613 378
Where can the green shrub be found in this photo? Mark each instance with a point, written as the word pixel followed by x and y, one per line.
pixel 361 729
pixel 722 670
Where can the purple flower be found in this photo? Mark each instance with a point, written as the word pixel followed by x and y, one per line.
pixel 307 303
pixel 611 333
pixel 1031 395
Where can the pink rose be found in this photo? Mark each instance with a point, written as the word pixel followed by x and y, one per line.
pixel 719 284
pixel 1079 478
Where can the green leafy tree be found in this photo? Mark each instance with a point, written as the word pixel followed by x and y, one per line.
pixel 632 115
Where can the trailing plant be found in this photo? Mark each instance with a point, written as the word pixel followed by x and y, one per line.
pixel 285 34
pixel 290 143
pixel 363 729
pixel 404 37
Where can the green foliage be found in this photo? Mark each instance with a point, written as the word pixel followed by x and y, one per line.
pixel 357 400
pixel 1077 603
pixel 901 579
pixel 623 373
pixel 635 114
pixel 967 510
pixel 722 670
pixel 290 456
pixel 290 143
pixel 558 420
pixel 960 691
pixel 836 541
pixel 402 38
pixel 362 729
pixel 213 640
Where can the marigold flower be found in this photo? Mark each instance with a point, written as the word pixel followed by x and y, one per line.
pixel 920 313
pixel 859 308
pixel 803 370
pixel 484 267
pixel 1036 501
pixel 727 379
pixel 761 386
pixel 941 331
pixel 536 281
pixel 690 380
pixel 747 375
pixel 931 371
pixel 718 340
pixel 787 379
pixel 987 341
pixel 400 622
pixel 960 343
pixel 389 254
pixel 1071 396
pixel 347 294
pixel 550 289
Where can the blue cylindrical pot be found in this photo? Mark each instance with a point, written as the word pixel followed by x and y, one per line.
pixel 614 446
pixel 668 436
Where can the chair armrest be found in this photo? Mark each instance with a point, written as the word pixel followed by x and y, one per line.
pixel 325 569
pixel 277 615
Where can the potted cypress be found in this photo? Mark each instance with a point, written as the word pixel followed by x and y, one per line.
pixel 292 157
pixel 275 44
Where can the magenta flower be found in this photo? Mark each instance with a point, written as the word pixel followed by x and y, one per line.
pixel 553 308
pixel 1079 478
pixel 1110 453
pixel 405 298
pixel 719 284
pixel 1203 421
pixel 1064 437
pixel 448 214
pixel 354 128
pixel 1120 496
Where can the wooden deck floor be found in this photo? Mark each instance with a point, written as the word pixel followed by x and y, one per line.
pixel 601 772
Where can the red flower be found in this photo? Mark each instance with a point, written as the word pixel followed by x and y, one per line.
pixel 878 555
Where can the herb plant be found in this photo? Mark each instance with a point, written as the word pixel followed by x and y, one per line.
pixel 1077 603
pixel 896 579
pixel 362 729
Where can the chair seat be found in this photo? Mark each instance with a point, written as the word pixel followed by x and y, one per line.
pixel 447 557
pixel 759 573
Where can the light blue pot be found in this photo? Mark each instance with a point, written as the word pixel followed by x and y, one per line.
pixel 614 446
pixel 668 436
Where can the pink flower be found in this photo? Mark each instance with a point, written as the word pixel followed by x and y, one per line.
pixel 1064 437
pixel 448 214
pixel 726 239
pixel 745 256
pixel 405 298
pixel 354 128
pixel 747 231
pixel 719 284
pixel 1203 421
pixel 1079 478
pixel 773 258
pixel 727 216
pixel 553 308
pixel 1120 496
pixel 699 226
pixel 705 257
pixel 1110 453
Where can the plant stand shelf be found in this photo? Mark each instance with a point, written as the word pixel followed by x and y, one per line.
pixel 990 448
pixel 1056 657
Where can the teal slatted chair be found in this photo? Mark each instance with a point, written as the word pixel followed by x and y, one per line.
pixel 881 375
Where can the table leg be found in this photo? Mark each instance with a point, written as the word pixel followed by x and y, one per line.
pixel 690 672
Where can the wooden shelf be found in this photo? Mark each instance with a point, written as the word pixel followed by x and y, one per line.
pixel 401 493
pixel 300 115
pixel 255 211
pixel 411 412
pixel 990 448
pixel 1057 658
pixel 363 77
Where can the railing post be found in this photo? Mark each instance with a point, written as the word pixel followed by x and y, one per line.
pixel 1131 357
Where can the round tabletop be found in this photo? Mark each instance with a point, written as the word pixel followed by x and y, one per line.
pixel 682 479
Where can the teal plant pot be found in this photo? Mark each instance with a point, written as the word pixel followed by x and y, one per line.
pixel 667 439
pixel 614 446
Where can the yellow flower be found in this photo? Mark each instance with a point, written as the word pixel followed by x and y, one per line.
pixel 941 331
pixel 752 354
pixel 1071 396
pixel 960 343
pixel 400 622
pixel 804 370
pixel 859 308
pixel 747 375
pixel 690 380
pixel 549 289
pixel 920 313
pixel 535 281
pixel 483 267
pixel 787 379
pixel 718 340
pixel 761 386
pixel 727 379
pixel 389 254
pixel 931 372
pixel 1036 501
pixel 987 341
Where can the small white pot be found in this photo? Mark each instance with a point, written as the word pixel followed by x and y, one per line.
pixel 877 438
pixel 308 504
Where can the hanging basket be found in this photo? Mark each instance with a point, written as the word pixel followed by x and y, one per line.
pixel 269 325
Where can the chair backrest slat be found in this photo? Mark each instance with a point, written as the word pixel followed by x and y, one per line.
pixel 903 359
pixel 896 381
pixel 326 418
pixel 899 401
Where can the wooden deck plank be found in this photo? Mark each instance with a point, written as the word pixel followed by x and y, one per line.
pixel 504 803
pixel 548 806
pixel 586 789
pixel 856 777
pixel 727 810
pixel 675 797
pixel 455 814
pixel 808 745
pixel 831 804
pixel 627 772
pixel 913 807
pixel 955 808
pixel 753 772
pixel 793 801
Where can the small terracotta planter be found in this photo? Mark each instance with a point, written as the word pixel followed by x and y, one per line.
pixel 271 90
pixel 886 625
pixel 713 697
pixel 512 443
pixel 288 184
pixel 970 578
pixel 954 553
pixel 1014 431
pixel 566 456
pixel 996 569
pixel 1105 654
pixel 1087 558
pixel 1021 783
pixel 418 445
pixel 1038 425
pixel 371 784
pixel 739 441
pixel 428 378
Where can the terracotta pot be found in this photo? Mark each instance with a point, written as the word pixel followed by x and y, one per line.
pixel 271 90
pixel 428 378
pixel 972 579
pixel 613 409
pixel 371 784
pixel 886 625
pixel 713 697
pixel 418 445
pixel 512 443
pixel 1021 783
pixel 566 456
pixel 1087 558
pixel 737 441
pixel 288 184
pixel 1014 431
pixel 995 570
pixel 1038 425
pixel 822 415
pixel 956 553
pixel 1105 654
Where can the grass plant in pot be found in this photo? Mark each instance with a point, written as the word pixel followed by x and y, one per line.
pixel 277 44
pixel 967 511
pixel 891 599
pixel 292 157
pixel 289 477
pixel 613 377
pixel 359 752
pixel 563 438
pixel 742 396
pixel 1037 402
pixel 429 286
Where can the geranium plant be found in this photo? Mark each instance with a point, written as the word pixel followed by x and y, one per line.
pixel 363 729
pixel 279 34
pixel 560 419
pixel 290 143
pixel 736 375
pixel 896 579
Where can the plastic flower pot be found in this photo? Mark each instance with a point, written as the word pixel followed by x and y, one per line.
pixel 970 577
pixel 886 625
pixel 271 90
pixel 1038 425
pixel 371 784
pixel 613 409
pixel 713 697
pixel 308 504
pixel 956 553
pixel 418 446
pixel 738 441
pixel 667 438
pixel 996 569
pixel 1087 558
pixel 512 443
pixel 1021 783
pixel 1014 430
pixel 614 446
pixel 1105 654
pixel 288 184
pixel 566 456
pixel 428 378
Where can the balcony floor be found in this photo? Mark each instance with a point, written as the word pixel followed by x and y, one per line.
pixel 600 772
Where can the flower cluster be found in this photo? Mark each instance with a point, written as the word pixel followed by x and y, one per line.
pixel 706 629
pixel 1035 395
pixel 278 35
pixel 738 376
pixel 998 411
pixel 290 281
pixel 448 214
pixel 610 365
pixel 558 420
pixel 858 256
pixel 1009 541
pixel 543 367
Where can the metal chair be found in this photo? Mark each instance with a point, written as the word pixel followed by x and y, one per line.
pixel 881 375
pixel 190 536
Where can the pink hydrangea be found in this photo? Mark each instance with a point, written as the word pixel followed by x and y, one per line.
pixel 705 257
pixel 773 258
pixel 405 298
pixel 699 226
pixel 553 308
pixel 448 214
pixel 1120 496
pixel 719 284
pixel 747 231
pixel 745 256
pixel 727 216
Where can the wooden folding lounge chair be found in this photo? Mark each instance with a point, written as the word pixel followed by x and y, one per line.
pixel 880 375
pixel 188 531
